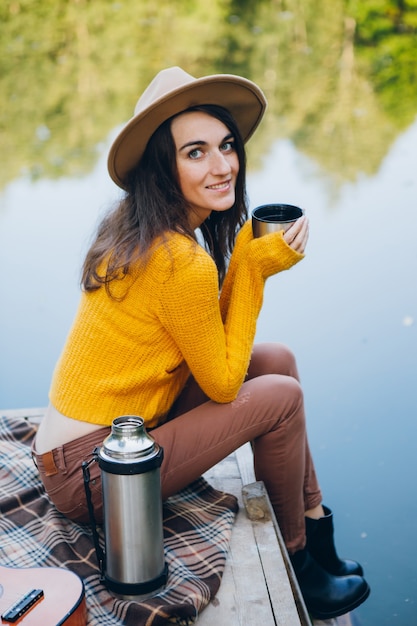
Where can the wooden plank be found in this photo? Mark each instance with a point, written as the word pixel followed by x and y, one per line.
pixel 255 588
pixel 244 458
pixel 285 595
pixel 243 597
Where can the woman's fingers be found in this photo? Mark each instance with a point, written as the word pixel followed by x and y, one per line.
pixel 297 235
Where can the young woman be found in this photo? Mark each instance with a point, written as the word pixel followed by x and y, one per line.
pixel 167 321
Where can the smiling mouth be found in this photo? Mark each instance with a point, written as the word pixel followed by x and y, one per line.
pixel 224 185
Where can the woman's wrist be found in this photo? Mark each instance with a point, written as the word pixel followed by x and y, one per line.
pixel 270 254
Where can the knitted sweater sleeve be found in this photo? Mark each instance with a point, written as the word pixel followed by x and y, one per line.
pixel 217 349
pixel 243 238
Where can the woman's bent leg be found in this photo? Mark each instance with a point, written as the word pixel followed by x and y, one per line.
pixel 268 411
pixel 275 358
pixel 327 595
pixel 279 458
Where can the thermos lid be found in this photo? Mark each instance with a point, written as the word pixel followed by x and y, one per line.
pixel 128 440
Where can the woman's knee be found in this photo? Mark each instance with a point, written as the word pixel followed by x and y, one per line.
pixel 277 394
pixel 272 358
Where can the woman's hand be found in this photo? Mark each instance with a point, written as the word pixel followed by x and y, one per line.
pixel 297 235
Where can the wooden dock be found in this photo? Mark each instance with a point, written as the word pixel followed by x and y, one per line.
pixel 259 587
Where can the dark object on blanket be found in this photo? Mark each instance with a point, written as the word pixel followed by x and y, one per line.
pixel 45 595
pixel 197 528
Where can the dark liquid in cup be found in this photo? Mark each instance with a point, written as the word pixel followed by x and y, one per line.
pixel 278 213
pixel 276 217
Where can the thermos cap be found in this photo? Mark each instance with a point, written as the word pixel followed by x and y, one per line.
pixel 128 440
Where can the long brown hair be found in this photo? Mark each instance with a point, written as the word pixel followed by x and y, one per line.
pixel 154 205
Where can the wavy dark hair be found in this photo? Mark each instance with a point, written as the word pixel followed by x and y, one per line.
pixel 154 205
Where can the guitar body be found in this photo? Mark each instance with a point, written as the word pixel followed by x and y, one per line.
pixel 62 602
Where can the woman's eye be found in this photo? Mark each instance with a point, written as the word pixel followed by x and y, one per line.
pixel 195 154
pixel 228 146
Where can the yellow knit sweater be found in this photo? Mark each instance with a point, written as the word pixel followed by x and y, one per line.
pixel 134 355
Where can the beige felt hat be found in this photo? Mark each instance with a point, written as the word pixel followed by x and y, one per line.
pixel 173 91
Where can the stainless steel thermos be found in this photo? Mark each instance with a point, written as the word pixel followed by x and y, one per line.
pixel 130 461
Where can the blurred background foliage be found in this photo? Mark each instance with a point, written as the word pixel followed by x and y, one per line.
pixel 340 75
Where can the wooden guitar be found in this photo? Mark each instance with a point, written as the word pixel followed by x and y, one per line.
pixel 41 596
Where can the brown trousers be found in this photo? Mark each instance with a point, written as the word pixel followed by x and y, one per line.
pixel 199 433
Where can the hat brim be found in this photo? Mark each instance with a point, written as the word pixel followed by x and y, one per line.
pixel 240 96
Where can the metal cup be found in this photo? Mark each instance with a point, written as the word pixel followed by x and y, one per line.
pixel 270 218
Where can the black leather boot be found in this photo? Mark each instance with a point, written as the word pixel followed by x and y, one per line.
pixel 320 544
pixel 327 596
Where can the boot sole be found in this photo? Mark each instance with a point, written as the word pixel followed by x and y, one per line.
pixel 342 611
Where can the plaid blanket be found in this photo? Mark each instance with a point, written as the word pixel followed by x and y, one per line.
pixel 197 527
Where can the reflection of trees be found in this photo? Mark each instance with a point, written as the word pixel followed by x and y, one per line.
pixel 70 70
pixel 319 82
pixel 387 51
pixel 333 72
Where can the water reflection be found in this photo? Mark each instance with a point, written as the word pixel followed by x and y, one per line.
pixel 342 76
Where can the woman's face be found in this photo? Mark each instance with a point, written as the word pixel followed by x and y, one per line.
pixel 207 163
